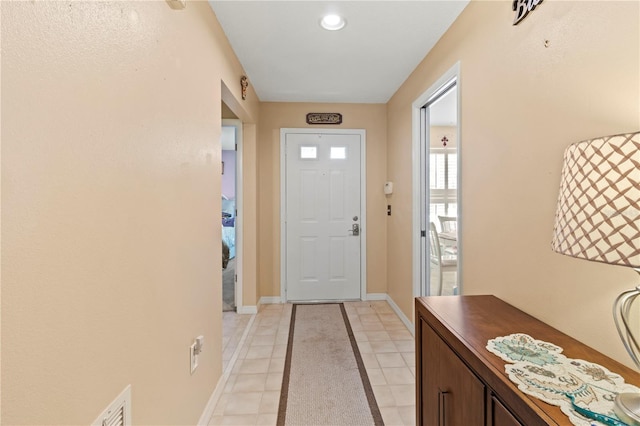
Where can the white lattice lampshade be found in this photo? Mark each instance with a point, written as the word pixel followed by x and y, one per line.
pixel 598 214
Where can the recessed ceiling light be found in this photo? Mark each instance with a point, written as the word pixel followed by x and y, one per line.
pixel 333 22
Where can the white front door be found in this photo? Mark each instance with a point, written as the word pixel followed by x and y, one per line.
pixel 322 215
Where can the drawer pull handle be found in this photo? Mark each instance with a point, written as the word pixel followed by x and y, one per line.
pixel 442 421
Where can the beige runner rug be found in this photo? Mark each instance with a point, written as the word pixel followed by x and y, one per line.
pixel 325 381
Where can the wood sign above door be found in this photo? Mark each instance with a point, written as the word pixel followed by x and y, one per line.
pixel 522 8
pixel 324 118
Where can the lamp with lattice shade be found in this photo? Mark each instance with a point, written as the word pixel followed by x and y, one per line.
pixel 598 219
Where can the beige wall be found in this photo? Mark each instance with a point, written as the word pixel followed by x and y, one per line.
pixel 110 190
pixel 439 132
pixel 110 179
pixel 273 117
pixel 522 104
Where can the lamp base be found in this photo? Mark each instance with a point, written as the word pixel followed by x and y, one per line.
pixel 627 408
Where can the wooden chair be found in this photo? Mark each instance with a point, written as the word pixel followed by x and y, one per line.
pixel 443 261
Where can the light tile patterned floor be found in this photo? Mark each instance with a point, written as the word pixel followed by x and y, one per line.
pixel 233 326
pixel 252 392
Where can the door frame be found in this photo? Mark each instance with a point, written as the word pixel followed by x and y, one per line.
pixel 363 203
pixel 227 122
pixel 419 173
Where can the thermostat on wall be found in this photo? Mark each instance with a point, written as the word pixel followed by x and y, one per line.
pixel 388 188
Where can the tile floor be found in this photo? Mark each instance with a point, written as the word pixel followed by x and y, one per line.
pixel 449 282
pixel 233 327
pixel 252 392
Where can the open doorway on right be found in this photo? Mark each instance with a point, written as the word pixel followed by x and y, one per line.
pixel 443 194
pixel 440 210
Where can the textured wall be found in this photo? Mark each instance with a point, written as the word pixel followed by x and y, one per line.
pixel 522 104
pixel 110 180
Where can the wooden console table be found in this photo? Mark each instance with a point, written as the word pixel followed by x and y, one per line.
pixel 459 382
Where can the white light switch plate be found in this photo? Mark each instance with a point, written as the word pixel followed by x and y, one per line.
pixel 193 356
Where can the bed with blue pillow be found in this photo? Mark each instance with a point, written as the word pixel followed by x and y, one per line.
pixel 229 225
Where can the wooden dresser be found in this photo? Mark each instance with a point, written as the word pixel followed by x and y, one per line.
pixel 460 383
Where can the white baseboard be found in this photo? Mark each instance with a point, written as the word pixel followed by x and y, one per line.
pixel 396 309
pixel 401 315
pixel 377 296
pixel 211 404
pixel 270 300
pixel 247 310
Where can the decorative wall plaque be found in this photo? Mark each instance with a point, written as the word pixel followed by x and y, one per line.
pixel 522 8
pixel 324 118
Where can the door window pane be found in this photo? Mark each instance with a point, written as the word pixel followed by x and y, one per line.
pixel 338 152
pixel 308 152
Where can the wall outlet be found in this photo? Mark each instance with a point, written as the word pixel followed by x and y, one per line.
pixel 193 352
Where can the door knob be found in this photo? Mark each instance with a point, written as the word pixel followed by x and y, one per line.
pixel 355 229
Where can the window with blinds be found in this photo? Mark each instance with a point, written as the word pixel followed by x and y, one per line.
pixel 443 181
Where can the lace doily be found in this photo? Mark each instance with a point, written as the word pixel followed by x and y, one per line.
pixel 541 370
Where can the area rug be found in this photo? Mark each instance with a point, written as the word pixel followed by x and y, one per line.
pixel 325 381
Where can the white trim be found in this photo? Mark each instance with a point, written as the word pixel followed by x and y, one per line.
pixel 211 404
pixel 283 209
pixel 377 296
pixel 247 310
pixel 363 204
pixel 401 315
pixel 269 300
pixel 240 214
pixel 416 106
pixel 207 414
pixel 236 353
pixel 396 309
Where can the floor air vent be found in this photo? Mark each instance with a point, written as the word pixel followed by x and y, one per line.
pixel 118 413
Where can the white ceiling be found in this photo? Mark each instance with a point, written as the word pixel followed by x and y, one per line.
pixel 444 111
pixel 288 57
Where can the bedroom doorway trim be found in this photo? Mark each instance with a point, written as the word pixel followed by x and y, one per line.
pixel 239 212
